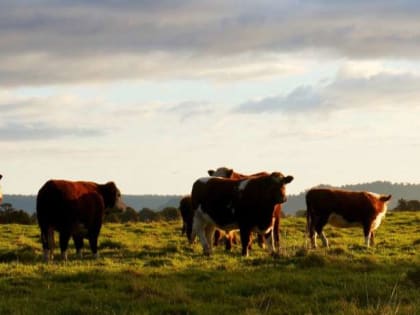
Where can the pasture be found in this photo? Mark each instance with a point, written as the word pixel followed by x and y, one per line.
pixel 149 268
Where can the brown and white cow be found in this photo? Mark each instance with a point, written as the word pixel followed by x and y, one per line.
pixel 74 209
pixel 342 208
pixel 244 204
pixel 230 173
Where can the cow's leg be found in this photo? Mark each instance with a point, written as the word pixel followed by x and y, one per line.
pixel 367 233
pixel 216 237
pixel 261 240
pixel 209 231
pixel 276 226
pixel 64 243
pixel 198 228
pixel 372 238
pixel 245 240
pixel 318 228
pixel 78 243
pixel 269 241
pixel 276 233
pixel 47 240
pixel 229 238
pixel 310 225
pixel 93 242
pixel 189 231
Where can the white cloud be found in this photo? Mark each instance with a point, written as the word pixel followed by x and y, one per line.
pixel 346 91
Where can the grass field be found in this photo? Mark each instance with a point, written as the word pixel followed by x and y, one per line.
pixel 148 268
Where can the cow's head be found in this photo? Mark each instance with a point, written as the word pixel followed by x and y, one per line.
pixel 112 196
pixel 279 187
pixel 221 172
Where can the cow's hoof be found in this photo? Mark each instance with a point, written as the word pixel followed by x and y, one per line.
pixel 275 254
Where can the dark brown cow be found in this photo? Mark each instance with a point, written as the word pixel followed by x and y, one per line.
pixel 343 208
pixel 187 215
pixel 74 209
pixel 228 204
pixel 230 173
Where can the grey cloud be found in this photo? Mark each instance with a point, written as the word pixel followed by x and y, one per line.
pixel 382 90
pixel 303 98
pixel 70 41
pixel 22 132
pixel 190 110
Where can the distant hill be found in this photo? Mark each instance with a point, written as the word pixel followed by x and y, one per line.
pixel 137 202
pixel 294 202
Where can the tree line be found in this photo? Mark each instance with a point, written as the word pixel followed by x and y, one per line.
pixel 9 215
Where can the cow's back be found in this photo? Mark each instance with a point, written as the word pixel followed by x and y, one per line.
pixel 354 206
pixel 62 202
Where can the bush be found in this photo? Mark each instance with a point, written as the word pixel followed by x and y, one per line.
pixel 10 215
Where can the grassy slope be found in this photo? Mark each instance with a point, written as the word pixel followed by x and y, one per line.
pixel 150 269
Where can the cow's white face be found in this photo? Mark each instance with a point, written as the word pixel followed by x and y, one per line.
pixel 119 203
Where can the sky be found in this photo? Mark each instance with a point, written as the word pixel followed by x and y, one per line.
pixel 151 94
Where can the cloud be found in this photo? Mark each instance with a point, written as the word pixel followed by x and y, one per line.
pixel 19 132
pixel 77 41
pixel 50 117
pixel 346 91
pixel 301 99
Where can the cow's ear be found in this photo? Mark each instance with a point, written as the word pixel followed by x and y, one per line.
pixel 210 172
pixel 288 179
pixel 385 198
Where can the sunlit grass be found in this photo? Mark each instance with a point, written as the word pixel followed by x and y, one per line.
pixel 149 268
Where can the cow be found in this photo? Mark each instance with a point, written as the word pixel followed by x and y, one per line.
pixel 230 173
pixel 1 193
pixel 342 208
pixel 244 204
pixel 74 209
pixel 187 214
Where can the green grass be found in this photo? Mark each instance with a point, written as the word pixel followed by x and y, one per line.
pixel 150 269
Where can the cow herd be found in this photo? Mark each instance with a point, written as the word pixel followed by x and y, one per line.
pixel 220 204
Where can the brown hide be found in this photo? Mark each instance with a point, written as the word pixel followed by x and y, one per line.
pixel 74 209
pixel 230 173
pixel 343 209
pixel 248 206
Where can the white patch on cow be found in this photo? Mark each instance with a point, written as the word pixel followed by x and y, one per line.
pixel 243 184
pixel 204 180
pixel 377 222
pixel 339 221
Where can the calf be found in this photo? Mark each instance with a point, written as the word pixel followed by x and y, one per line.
pixel 343 208
pixel 187 214
pixel 247 204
